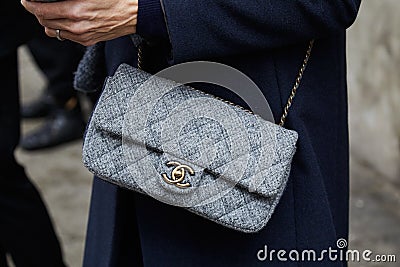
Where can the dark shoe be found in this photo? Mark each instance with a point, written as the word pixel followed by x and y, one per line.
pixel 40 107
pixel 62 127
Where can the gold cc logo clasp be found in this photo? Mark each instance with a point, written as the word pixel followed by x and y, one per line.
pixel 178 174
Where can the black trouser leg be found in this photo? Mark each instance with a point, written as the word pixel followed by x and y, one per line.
pixel 3 259
pixel 58 61
pixel 26 231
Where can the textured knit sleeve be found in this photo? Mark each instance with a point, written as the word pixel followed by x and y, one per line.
pixel 201 29
pixel 151 21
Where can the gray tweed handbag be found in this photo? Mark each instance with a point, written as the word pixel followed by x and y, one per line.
pixel 190 149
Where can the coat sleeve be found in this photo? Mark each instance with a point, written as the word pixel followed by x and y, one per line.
pixel 201 29
pixel 151 21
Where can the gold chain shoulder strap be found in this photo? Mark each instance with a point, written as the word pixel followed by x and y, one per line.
pixel 292 93
pixel 296 84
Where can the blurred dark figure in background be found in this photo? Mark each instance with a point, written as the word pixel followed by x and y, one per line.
pixel 59 102
pixel 26 230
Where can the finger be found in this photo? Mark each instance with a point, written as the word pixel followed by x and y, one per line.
pixel 63 34
pixel 53 10
pixel 77 27
pixel 81 27
pixel 51 32
pixel 85 39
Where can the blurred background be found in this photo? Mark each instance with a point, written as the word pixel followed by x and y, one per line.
pixel 374 96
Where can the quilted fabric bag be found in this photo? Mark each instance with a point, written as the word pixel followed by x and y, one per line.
pixel 190 149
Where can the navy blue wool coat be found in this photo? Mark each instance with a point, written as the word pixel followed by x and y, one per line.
pixel 265 40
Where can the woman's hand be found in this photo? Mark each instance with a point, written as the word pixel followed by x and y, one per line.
pixel 86 21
